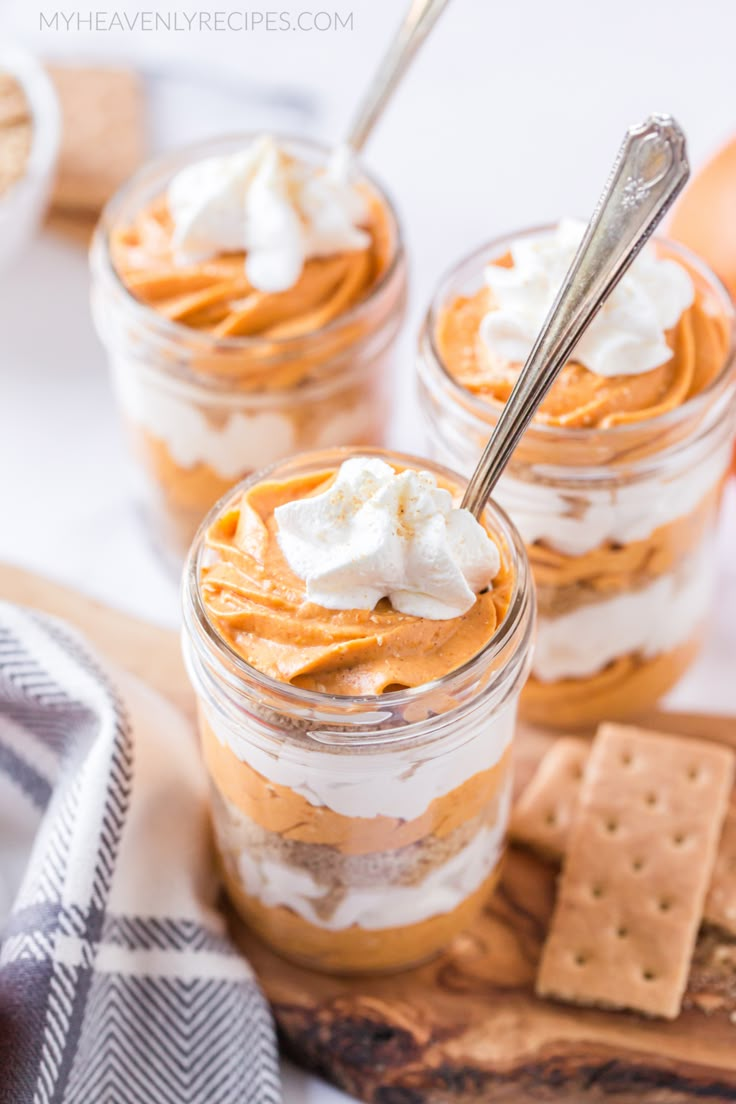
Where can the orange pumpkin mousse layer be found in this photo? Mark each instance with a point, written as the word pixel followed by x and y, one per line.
pixel 357 950
pixel 332 863
pixel 260 607
pixel 621 550
pixel 279 339
pixel 580 399
pixel 217 298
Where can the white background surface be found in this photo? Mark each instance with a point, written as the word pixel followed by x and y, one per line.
pixel 511 116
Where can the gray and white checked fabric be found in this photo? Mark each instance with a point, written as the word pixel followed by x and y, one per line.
pixel 117 982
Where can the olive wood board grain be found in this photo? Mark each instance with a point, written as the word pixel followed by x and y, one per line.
pixel 466 1027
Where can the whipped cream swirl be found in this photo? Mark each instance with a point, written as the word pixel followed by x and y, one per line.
pixel 276 209
pixel 627 336
pixel 376 533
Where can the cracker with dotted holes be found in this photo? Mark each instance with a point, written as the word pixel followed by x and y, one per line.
pixel 542 817
pixel 640 855
pixel 543 814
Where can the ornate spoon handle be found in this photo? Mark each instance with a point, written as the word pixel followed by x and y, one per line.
pixel 420 19
pixel 649 171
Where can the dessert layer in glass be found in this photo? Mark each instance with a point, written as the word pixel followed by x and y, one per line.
pixel 616 486
pixel 218 375
pixel 359 759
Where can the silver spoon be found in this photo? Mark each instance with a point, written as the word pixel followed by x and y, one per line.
pixel 420 19
pixel 650 170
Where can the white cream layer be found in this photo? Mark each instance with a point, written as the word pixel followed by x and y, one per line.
pixel 394 784
pixel 379 533
pixel 628 336
pixel 241 442
pixel 646 622
pixel 382 906
pixel 276 209
pixel 578 523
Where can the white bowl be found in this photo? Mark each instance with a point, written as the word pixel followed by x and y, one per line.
pixel 22 206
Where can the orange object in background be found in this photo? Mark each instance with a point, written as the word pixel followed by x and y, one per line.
pixel 705 218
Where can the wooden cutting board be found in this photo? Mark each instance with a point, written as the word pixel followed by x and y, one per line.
pixel 466 1027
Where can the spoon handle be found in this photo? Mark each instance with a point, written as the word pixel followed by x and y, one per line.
pixel 420 19
pixel 650 170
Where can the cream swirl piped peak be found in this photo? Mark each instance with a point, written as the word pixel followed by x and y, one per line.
pixel 273 207
pixel 627 336
pixel 377 533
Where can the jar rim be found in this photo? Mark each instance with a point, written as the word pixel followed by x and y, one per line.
pixel 521 603
pixel 168 329
pixel 478 258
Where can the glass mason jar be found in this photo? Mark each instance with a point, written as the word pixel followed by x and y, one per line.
pixel 359 834
pixel 619 524
pixel 201 411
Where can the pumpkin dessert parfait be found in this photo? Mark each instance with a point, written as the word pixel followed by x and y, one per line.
pixel 248 292
pixel 357 644
pixel 616 485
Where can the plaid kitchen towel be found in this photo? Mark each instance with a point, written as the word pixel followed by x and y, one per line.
pixel 117 982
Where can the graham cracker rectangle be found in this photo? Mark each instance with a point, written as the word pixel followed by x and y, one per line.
pixel 639 859
pixel 542 816
pixel 720 904
pixel 103 134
